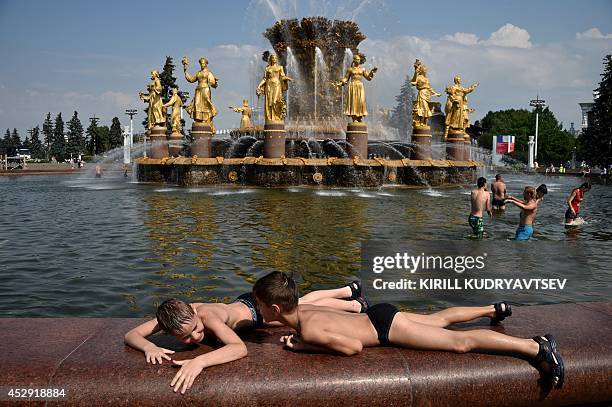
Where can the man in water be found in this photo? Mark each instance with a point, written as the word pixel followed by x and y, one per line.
pixel 498 187
pixel 480 198
pixel 573 203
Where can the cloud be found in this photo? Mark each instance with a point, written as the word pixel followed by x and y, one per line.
pixel 592 34
pixel 462 38
pixel 510 36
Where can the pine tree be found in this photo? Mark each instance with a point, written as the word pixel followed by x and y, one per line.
pixel 76 139
pixel 115 135
pixel 47 134
pixel 36 147
pixel 168 81
pixel 103 139
pixel 401 116
pixel 58 144
pixel 595 142
pixel 15 142
pixel 6 142
pixel 92 136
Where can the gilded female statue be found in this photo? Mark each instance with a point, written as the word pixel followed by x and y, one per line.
pixel 175 118
pixel 421 109
pixel 201 108
pixel 456 109
pixel 245 119
pixel 356 102
pixel 156 115
pixel 273 84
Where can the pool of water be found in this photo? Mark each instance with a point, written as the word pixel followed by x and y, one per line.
pixel 80 246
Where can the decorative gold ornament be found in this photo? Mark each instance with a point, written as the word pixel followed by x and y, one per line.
pixel 232 176
pixel 156 114
pixel 175 118
pixel 317 177
pixel 456 109
pixel 245 119
pixel 201 108
pixel 392 176
pixel 422 106
pixel 273 84
pixel 356 101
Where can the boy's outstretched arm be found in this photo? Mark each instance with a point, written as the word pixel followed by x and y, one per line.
pixel 320 340
pixel 136 339
pixel 233 349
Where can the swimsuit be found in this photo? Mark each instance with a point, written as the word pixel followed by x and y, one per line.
pixel 248 299
pixel 477 225
pixel 498 202
pixel 523 232
pixel 575 204
pixel 381 316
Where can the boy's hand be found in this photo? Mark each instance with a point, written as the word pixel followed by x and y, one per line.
pixel 190 369
pixel 292 342
pixel 155 354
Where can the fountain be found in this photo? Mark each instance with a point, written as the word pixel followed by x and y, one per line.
pixel 314 79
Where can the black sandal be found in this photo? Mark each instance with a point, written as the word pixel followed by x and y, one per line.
pixel 363 301
pixel 502 310
pixel 355 287
pixel 549 360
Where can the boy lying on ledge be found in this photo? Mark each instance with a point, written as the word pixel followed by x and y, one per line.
pixel 191 323
pixel 321 329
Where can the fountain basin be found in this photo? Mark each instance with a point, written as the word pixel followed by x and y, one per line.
pixel 271 172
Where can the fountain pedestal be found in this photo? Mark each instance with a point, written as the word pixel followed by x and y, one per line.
pixel 467 147
pixel 202 136
pixel 357 140
pixel 455 145
pixel 421 137
pixel 175 145
pixel 159 142
pixel 274 140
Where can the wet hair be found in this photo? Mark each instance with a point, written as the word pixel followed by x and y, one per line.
pixel 172 314
pixel 277 288
pixel 586 185
pixel 482 181
pixel 541 191
pixel 529 193
pixel 497 177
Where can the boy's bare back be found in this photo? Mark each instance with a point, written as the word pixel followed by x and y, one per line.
pixel 315 320
pixel 480 202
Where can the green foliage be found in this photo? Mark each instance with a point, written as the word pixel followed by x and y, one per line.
pixel 555 145
pixel 92 136
pixel 103 139
pixel 47 133
pixel 595 142
pixel 58 141
pixel 76 138
pixel 401 116
pixel 115 134
pixel 36 147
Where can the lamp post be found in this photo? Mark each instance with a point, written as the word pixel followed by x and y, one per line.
pixel 94 123
pixel 131 113
pixel 538 104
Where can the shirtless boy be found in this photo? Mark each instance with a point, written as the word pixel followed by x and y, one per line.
pixel 191 323
pixel 529 209
pixel 322 329
pixel 480 203
pixel 498 188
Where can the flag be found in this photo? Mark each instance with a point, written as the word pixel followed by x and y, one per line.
pixel 504 144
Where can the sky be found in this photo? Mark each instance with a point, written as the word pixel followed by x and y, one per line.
pixel 94 57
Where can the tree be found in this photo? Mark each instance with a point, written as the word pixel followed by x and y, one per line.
pixel 58 143
pixel 15 143
pixel 47 134
pixel 555 145
pixel 115 134
pixel 36 147
pixel 6 142
pixel 92 136
pixel 595 142
pixel 401 116
pixel 103 139
pixel 76 139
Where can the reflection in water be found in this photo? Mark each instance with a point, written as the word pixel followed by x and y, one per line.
pixel 122 247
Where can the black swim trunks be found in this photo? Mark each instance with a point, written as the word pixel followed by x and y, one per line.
pixel 248 299
pixel 498 202
pixel 381 316
pixel 570 215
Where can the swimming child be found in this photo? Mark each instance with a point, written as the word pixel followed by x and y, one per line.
pixel 529 208
pixel 480 199
pixel 322 329
pixel 573 203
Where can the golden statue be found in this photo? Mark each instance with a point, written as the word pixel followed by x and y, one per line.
pixel 273 84
pixel 356 101
pixel 156 114
pixel 175 118
pixel 245 120
pixel 201 108
pixel 421 107
pixel 456 109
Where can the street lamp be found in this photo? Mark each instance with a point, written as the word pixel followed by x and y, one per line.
pixel 538 104
pixel 131 113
